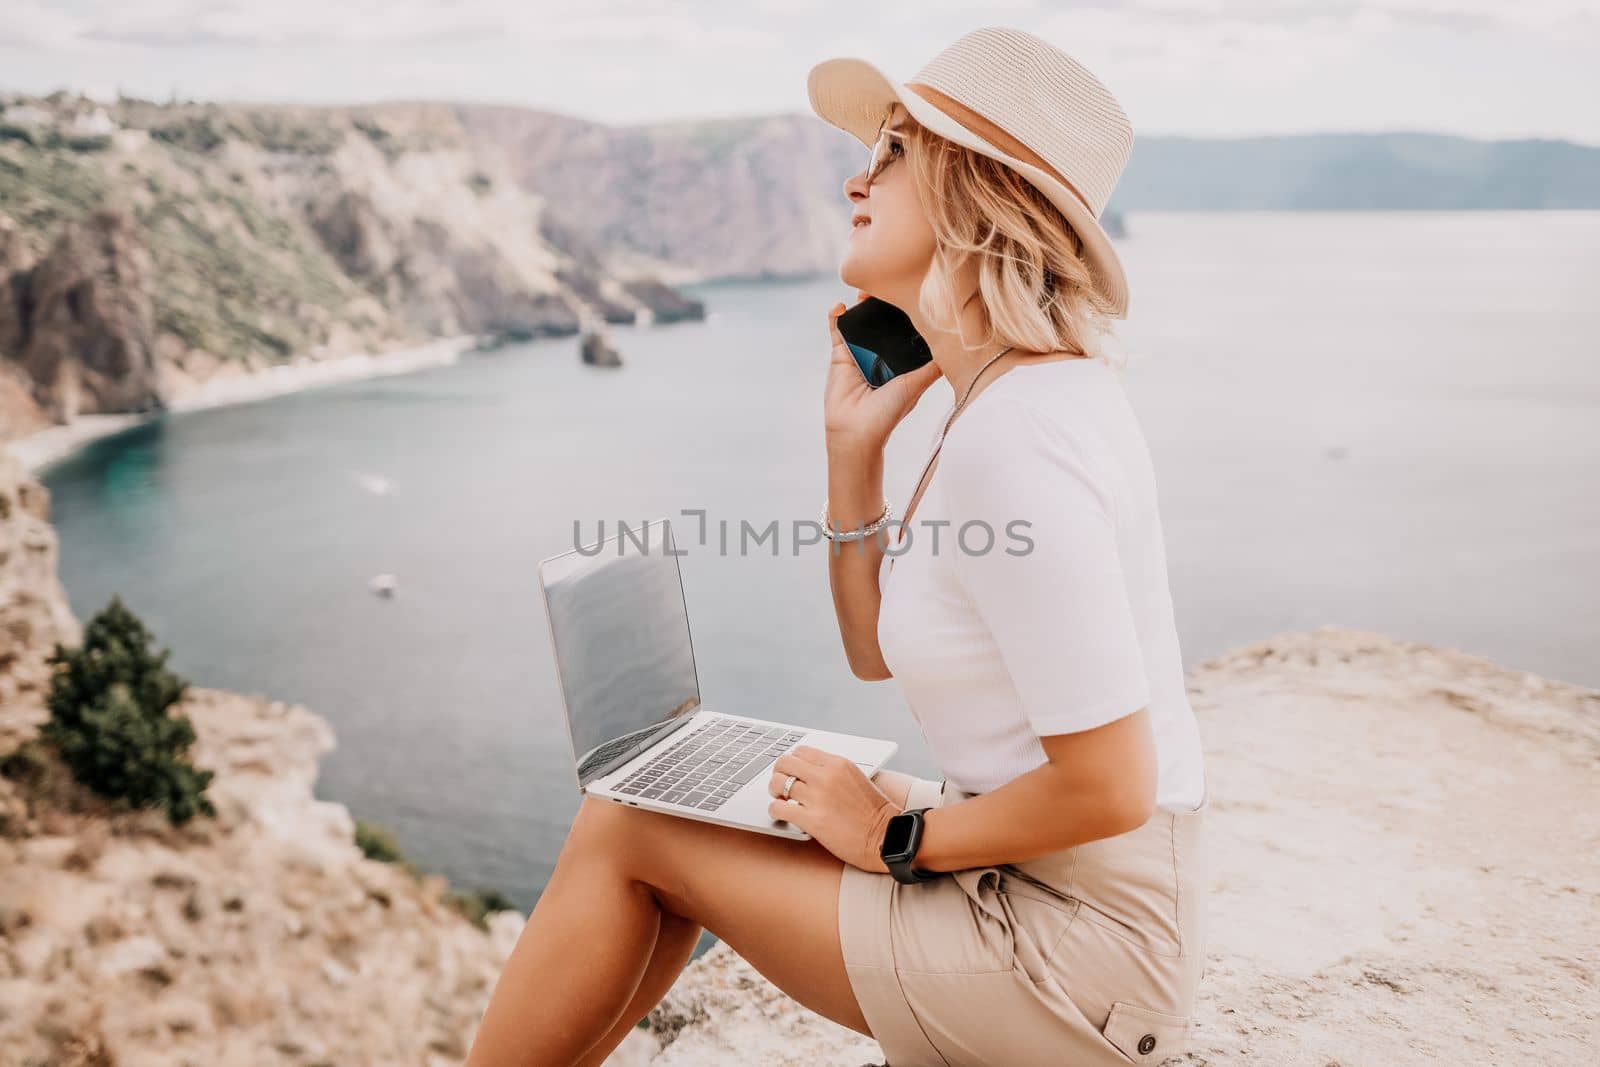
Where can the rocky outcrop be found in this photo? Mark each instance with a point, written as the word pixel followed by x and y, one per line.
pixel 596 350
pixel 687 201
pixel 261 936
pixel 20 413
pixel 34 614
pixel 438 283
pixel 87 342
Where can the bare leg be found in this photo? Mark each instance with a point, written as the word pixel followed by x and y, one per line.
pixel 580 958
pixel 674 945
pixel 580 962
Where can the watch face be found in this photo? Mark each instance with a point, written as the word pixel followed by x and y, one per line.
pixel 897 835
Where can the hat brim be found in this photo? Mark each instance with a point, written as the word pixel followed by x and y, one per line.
pixel 854 95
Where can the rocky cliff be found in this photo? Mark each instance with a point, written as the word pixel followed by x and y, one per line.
pixel 729 198
pixel 145 247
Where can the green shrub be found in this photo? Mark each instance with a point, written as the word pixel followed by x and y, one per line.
pixel 476 904
pixel 110 723
pixel 37 770
pixel 193 133
pixel 376 843
pixel 88 142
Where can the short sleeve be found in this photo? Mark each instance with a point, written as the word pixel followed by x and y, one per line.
pixel 1050 586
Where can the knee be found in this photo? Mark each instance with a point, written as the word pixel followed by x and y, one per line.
pixel 627 840
pixel 596 816
pixel 606 827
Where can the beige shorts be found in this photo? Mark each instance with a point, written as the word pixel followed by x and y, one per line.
pixel 1091 955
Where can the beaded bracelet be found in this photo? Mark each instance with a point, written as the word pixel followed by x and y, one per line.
pixel 854 535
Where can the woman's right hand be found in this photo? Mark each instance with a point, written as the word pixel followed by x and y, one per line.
pixel 855 415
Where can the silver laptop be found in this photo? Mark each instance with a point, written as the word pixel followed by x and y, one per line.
pixel 620 628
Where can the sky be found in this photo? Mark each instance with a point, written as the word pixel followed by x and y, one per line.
pixel 1205 68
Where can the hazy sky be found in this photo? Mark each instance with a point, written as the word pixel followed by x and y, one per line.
pixel 1483 68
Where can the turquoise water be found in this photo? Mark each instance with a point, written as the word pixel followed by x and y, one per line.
pixel 1386 421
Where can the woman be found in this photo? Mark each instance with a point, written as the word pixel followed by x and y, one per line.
pixel 1052 911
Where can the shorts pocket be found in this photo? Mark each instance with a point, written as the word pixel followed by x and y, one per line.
pixel 1039 919
pixel 1143 1035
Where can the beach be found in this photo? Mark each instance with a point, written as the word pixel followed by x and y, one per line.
pixel 44 447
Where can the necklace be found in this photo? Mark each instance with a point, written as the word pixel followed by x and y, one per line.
pixel 968 393
pixel 947 422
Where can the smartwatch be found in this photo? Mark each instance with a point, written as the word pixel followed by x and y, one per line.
pixel 901 837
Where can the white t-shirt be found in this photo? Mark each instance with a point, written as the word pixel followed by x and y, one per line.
pixel 1065 622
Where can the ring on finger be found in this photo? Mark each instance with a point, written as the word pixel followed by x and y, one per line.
pixel 793 778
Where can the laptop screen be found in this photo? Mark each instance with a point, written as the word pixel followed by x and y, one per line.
pixel 621 634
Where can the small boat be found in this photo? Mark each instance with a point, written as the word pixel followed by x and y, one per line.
pixel 384 584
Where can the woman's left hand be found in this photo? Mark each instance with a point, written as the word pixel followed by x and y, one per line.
pixel 834 802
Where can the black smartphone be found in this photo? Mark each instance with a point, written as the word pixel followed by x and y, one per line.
pixel 883 340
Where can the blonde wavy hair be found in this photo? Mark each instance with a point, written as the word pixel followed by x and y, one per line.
pixel 1033 284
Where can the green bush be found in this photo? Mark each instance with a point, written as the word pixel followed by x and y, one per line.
pixel 194 133
pixel 110 723
pixel 376 843
pixel 88 142
pixel 477 904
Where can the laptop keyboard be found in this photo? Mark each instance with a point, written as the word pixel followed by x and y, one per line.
pixel 711 764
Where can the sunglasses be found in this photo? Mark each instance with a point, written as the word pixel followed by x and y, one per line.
pixel 881 155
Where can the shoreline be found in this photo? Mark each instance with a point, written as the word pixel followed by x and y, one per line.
pixel 42 448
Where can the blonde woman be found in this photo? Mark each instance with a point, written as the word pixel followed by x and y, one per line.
pixel 1048 907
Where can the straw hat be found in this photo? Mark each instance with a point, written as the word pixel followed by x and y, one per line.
pixel 1014 97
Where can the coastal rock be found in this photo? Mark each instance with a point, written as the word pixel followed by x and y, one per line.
pixel 439 279
pixel 597 351
pixel 739 198
pixel 618 299
pixel 86 321
pixel 664 303
pixel 34 614
pixel 260 937
pixel 722 1011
